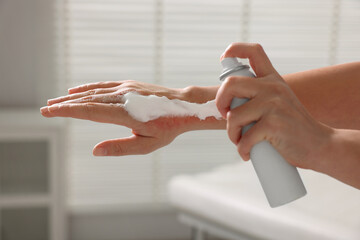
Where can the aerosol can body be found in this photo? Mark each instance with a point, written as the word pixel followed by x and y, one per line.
pixel 280 181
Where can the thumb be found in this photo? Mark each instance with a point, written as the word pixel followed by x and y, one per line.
pixel 133 145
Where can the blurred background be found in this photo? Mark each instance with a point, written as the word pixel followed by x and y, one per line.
pixel 46 46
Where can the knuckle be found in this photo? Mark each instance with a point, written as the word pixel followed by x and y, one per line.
pixel 231 80
pixel 274 103
pixel 230 117
pixel 87 86
pixel 59 107
pixel 273 124
pixel 230 48
pixel 125 90
pixel 118 149
pixel 91 92
pixel 277 88
pixel 89 109
pixel 83 86
pixel 258 47
pixel 232 45
pixel 277 106
pixel 129 83
pixel 87 98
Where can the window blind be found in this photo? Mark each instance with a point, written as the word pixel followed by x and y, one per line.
pixel 178 43
pixel 348 31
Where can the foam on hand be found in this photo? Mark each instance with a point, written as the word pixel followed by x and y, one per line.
pixel 147 108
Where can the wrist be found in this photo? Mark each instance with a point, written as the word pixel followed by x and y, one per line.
pixel 190 123
pixel 341 160
pixel 327 152
pixel 197 94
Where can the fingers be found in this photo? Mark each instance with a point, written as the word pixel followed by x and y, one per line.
pixel 99 98
pixel 259 61
pixel 45 112
pixel 90 86
pixel 98 112
pixel 134 145
pixel 79 95
pixel 240 87
pixel 254 135
pixel 240 117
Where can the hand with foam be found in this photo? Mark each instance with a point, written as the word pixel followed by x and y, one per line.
pixel 104 102
pixel 281 118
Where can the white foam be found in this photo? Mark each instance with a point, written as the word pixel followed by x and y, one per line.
pixel 147 108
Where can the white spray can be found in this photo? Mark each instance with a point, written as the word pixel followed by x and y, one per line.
pixel 280 181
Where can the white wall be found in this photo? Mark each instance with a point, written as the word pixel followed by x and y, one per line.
pixel 27 48
pixel 127 223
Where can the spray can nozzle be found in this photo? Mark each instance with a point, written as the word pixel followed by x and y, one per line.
pixel 231 65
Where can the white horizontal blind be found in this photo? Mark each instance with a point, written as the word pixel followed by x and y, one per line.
pixel 194 34
pixel 177 43
pixel 296 34
pixel 108 41
pixel 348 47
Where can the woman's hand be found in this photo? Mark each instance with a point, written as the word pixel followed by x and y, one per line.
pixel 102 102
pixel 281 118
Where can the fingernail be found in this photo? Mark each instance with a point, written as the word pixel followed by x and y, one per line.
pixel 227 115
pixel 71 89
pixel 53 107
pixel 100 152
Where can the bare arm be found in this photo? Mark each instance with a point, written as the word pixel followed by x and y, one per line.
pixel 312 118
pixel 331 94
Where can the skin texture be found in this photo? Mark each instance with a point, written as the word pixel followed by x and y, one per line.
pixel 312 118
pixel 304 141
pixel 274 107
pixel 102 102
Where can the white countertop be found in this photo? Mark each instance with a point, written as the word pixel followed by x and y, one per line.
pixel 231 196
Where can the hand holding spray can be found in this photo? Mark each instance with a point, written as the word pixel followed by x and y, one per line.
pixel 280 181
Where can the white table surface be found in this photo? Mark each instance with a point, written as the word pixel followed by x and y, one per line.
pixel 231 196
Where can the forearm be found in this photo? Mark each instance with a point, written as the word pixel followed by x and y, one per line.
pixel 197 94
pixel 331 94
pixel 341 157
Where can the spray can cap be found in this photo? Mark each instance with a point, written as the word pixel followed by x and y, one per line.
pixel 231 65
